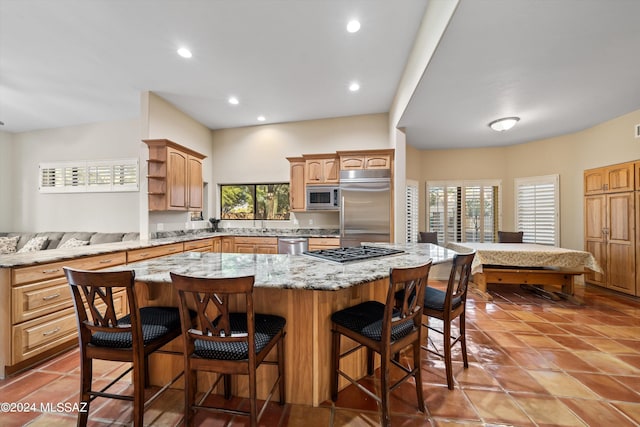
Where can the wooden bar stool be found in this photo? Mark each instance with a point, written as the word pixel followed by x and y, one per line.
pixel 226 342
pixel 131 338
pixel 447 306
pixel 384 329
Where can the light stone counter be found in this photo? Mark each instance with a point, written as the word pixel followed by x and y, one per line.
pixel 287 271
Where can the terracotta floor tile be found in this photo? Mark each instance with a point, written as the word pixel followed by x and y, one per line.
pixel 548 411
pixel 452 404
pixel 532 360
pixel 631 359
pixel 607 387
pixel 494 407
pixel 513 326
pixel 353 398
pixel 562 384
pixel 25 385
pixel 607 363
pixel 566 360
pixel 597 413
pixel 307 416
pixel 572 343
pixel 343 418
pixel 537 341
pixel 506 339
pixel 513 378
pixel 448 423
pixel 631 382
pixel 631 410
pixel 547 328
pixel 18 419
pixel 476 377
pixel 580 330
pixel 608 345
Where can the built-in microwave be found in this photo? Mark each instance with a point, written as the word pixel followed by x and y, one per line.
pixel 320 197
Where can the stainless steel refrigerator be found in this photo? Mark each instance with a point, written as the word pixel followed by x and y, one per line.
pixel 365 206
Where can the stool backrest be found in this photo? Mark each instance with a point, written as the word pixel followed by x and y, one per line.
pixel 213 300
pixel 405 298
pixel 459 279
pixel 428 237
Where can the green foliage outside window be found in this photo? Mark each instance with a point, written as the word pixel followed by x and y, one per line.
pixel 254 201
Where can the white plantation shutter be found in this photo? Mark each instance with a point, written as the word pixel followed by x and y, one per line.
pixel 412 211
pixel 89 176
pixel 537 209
pixel 466 211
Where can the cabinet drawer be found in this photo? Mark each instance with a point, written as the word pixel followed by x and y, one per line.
pixel 154 252
pixel 198 244
pixel 256 240
pixel 39 335
pixel 324 241
pixel 38 273
pixel 39 299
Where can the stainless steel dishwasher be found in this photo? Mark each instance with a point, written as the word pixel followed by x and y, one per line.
pixel 292 245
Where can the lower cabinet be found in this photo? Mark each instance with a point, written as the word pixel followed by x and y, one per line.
pixel 256 245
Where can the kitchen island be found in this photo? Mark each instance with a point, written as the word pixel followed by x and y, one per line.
pixel 304 290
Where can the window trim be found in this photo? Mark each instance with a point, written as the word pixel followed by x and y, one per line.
pixel 412 202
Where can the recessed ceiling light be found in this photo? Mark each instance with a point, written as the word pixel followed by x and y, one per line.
pixel 261 118
pixel 353 26
pixel 233 100
pixel 354 87
pixel 504 123
pixel 184 52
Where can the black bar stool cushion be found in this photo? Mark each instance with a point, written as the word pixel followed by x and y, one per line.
pixel 155 322
pixel 366 319
pixel 434 299
pixel 267 326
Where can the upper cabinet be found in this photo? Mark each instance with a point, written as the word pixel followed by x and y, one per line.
pixel 321 169
pixel 369 159
pixel 296 184
pixel 610 179
pixel 174 176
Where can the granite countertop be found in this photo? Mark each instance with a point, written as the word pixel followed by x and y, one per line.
pixel 54 255
pixel 286 271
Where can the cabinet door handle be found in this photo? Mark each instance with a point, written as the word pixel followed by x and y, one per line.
pixel 53 270
pixel 106 261
pixel 145 254
pixel 50 297
pixel 53 331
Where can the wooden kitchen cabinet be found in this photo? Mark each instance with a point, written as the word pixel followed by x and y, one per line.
pixel 256 245
pixel 317 243
pixel 39 320
pixel 297 192
pixel 365 159
pixel 610 179
pixel 174 176
pixel 611 227
pixel 202 245
pixel 321 169
pixel 154 252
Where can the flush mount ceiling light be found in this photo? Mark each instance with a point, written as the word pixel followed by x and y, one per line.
pixel 261 118
pixel 184 52
pixel 233 100
pixel 504 123
pixel 353 26
pixel 354 87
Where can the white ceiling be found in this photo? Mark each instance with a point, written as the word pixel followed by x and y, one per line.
pixel 561 65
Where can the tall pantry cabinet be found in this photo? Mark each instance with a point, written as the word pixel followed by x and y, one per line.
pixel 612 225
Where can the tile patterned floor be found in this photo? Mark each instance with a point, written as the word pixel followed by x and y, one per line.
pixel 533 362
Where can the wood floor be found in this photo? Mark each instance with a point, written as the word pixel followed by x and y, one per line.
pixel 533 362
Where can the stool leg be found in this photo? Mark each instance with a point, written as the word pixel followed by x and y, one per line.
pixel 447 353
pixel 417 365
pixel 86 373
pixel 384 386
pixel 335 363
pixel 281 370
pixel 190 387
pixel 463 340
pixel 138 391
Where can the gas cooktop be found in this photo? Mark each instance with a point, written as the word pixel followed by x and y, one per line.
pixel 358 253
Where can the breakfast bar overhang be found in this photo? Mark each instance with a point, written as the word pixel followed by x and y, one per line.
pixel 304 290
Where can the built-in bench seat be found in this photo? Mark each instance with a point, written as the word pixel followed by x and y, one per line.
pixel 55 239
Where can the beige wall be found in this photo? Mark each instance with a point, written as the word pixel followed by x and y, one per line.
pixel 258 153
pixel 568 156
pixel 161 120
pixel 6 181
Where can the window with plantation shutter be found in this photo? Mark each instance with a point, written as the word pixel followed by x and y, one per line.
pixel 412 211
pixel 467 211
pixel 537 209
pixel 89 176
